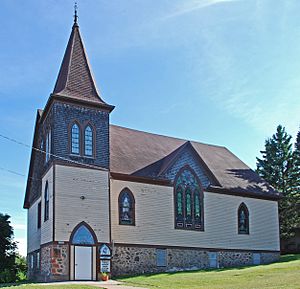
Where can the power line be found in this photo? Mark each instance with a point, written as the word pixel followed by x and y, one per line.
pixel 43 152
pixel 17 173
pixel 50 154
pixel 12 172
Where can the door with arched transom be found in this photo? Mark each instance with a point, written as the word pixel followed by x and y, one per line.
pixel 83 240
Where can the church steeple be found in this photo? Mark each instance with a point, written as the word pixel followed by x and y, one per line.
pixel 75 14
pixel 75 79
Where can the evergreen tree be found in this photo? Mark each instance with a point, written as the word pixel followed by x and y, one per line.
pixel 277 167
pixel 7 250
pixel 295 197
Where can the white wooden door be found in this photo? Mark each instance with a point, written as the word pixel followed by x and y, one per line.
pixel 83 263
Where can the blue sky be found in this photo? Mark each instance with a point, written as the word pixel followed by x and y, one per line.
pixel 225 72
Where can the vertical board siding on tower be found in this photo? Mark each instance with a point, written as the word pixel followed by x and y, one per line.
pixel 154 219
pixel 47 227
pixel 33 233
pixel 72 183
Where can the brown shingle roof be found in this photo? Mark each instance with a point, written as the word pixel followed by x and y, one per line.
pixel 134 152
pixel 75 79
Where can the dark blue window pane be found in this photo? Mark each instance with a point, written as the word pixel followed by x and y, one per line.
pixel 83 236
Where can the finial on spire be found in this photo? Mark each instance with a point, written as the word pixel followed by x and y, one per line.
pixel 75 13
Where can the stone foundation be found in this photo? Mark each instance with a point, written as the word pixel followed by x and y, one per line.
pixel 54 264
pixel 133 260
pixel 138 260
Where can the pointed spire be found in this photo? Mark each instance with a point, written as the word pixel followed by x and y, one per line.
pixel 75 79
pixel 75 14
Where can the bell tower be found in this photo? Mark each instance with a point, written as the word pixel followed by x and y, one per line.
pixel 70 190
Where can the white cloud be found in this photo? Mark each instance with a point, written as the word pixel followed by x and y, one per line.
pixel 22 246
pixel 190 6
pixel 19 226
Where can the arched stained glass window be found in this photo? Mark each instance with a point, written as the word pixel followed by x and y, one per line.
pixel 243 219
pixel 179 206
pixel 75 139
pixel 88 141
pixel 188 201
pixel 83 236
pixel 126 208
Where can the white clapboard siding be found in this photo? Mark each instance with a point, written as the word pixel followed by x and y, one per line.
pixel 47 227
pixel 154 218
pixel 72 183
pixel 33 233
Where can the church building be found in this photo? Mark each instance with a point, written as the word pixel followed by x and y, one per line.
pixel 106 198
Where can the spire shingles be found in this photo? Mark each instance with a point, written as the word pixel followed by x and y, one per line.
pixel 75 79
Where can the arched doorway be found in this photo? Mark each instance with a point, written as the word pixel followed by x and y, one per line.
pixel 83 239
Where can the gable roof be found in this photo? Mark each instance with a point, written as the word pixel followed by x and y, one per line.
pixel 139 153
pixel 158 168
pixel 32 159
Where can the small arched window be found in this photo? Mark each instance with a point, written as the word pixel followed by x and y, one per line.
pixel 126 208
pixel 82 235
pixel 46 201
pixel 48 146
pixel 188 201
pixel 88 141
pixel 243 219
pixel 75 139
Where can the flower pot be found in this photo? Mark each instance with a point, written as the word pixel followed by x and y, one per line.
pixel 104 277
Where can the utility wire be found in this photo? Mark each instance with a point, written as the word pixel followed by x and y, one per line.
pixel 50 154
pixel 12 172
pixel 17 173
pixel 43 152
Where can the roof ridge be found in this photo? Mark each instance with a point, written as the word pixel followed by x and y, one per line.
pixel 167 136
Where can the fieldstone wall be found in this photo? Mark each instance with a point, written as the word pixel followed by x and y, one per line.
pixel 138 260
pixel 59 262
pixel 232 259
pixel 45 263
pixel 54 264
pixel 186 259
pixel 133 260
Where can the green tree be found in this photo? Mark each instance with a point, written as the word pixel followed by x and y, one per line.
pixel 295 197
pixel 7 250
pixel 277 167
pixel 20 267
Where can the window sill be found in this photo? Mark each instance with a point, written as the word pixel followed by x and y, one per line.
pixel 191 229
pixel 82 156
pixel 89 157
pixel 126 224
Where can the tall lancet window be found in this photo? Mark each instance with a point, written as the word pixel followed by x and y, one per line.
pixel 188 196
pixel 46 202
pixel 88 141
pixel 126 208
pixel 243 219
pixel 75 139
pixel 48 146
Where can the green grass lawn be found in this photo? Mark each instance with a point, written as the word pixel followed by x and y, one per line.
pixel 37 286
pixel 283 274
